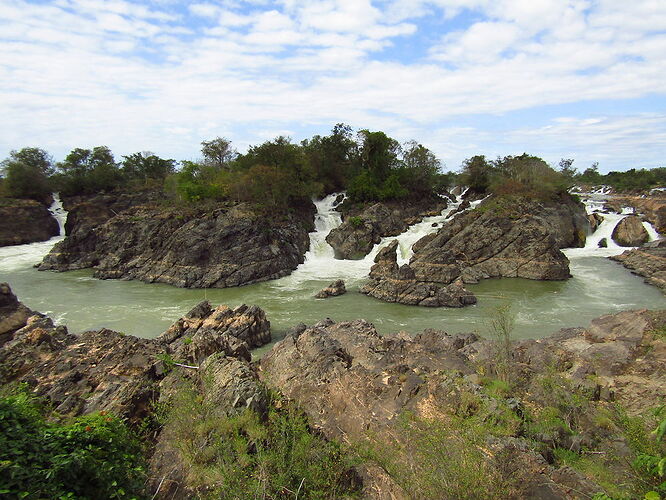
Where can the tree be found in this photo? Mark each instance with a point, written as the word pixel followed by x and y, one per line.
pixel 476 172
pixel 420 169
pixel 146 165
pixel 27 173
pixel 332 157
pixel 85 171
pixel 378 154
pixel 218 153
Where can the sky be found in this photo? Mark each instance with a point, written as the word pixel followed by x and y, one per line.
pixel 582 79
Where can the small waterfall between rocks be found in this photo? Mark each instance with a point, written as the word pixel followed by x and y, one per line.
pixel 58 212
pixel 320 262
pixel 604 230
pixel 19 256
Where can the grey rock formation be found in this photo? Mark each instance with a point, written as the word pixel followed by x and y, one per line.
pixel 25 221
pixel 370 381
pixel 107 370
pixel 391 283
pixel 648 261
pixel 205 330
pixel 493 241
pixel 333 290
pixel 629 232
pixel 225 247
pixel 363 228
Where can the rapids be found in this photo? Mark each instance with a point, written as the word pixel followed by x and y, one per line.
pixel 81 302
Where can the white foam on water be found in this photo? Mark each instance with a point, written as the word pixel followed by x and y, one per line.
pixel 17 257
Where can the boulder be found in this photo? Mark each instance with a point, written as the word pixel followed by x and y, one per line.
pixel 205 330
pixel 516 241
pixel 630 232
pixel 595 220
pixel 25 221
pixel 333 290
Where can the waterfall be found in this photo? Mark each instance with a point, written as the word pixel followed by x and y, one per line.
pixel 605 231
pixel 320 262
pixel 25 256
pixel 58 213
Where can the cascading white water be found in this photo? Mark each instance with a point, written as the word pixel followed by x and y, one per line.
pixel 605 231
pixel 59 213
pixel 18 256
pixel 320 262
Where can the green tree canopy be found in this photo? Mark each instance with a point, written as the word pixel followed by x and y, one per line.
pixel 218 153
pixel 27 173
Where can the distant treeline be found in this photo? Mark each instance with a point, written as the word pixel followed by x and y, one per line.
pixel 370 166
pixel 631 180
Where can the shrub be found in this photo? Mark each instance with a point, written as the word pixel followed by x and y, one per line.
pixel 95 456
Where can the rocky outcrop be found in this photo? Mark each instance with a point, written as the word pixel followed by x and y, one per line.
pixel 357 386
pixel 391 283
pixel 107 370
pixel 517 241
pixel 365 227
pixel 196 248
pixel 648 261
pixel 333 290
pixel 205 330
pixel 629 232
pixel 653 208
pixel 25 221
pixel 595 220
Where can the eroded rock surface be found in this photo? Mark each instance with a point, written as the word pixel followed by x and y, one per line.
pixel 391 283
pixel 648 261
pixel 629 232
pixel 362 229
pixel 333 290
pixel 107 370
pixel 521 240
pixel 25 221
pixel 355 385
pixel 225 247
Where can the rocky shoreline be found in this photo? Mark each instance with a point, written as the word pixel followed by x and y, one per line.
pixel 357 387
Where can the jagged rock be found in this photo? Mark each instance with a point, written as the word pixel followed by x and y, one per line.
pixel 355 384
pixel 356 236
pixel 333 290
pixel 603 243
pixel 391 283
pixel 648 261
pixel 521 240
pixel 361 230
pixel 653 207
pixel 205 330
pixel 595 220
pixel 227 247
pixel 629 232
pixel 25 221
pixel 13 314
pixel 107 370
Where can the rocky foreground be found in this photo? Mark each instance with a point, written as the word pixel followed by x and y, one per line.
pixel 498 414
pixel 25 221
pixel 191 248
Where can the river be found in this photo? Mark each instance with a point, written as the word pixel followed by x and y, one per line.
pixel 76 299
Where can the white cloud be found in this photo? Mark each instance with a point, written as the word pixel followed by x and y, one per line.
pixel 87 72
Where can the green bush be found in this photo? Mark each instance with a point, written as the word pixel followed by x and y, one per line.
pixel 95 456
